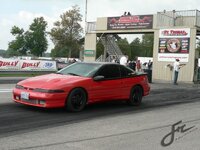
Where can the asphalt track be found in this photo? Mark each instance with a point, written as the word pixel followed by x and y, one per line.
pixel 16 119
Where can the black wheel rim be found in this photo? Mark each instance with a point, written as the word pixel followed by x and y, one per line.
pixel 78 100
pixel 137 94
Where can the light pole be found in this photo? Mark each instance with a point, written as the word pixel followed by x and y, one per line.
pixel 85 15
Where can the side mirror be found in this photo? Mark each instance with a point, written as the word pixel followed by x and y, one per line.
pixel 98 78
pixel 132 74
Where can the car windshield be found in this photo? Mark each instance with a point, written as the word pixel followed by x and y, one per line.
pixel 80 69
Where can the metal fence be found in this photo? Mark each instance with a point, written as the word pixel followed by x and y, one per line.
pixel 178 18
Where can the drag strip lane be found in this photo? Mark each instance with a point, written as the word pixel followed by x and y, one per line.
pixel 16 118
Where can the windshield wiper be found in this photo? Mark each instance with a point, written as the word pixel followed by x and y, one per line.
pixel 73 74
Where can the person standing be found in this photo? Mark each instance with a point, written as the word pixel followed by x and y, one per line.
pixel 124 60
pixel 149 65
pixel 138 66
pixel 176 68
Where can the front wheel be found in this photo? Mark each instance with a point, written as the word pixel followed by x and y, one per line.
pixel 76 100
pixel 135 98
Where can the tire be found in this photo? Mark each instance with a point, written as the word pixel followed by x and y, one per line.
pixel 76 100
pixel 135 98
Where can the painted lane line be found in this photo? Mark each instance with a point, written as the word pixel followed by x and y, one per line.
pixel 5 90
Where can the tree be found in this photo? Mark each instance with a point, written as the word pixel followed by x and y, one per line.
pixel 144 47
pixel 135 48
pixel 18 46
pixel 147 44
pixel 67 33
pixel 124 46
pixel 36 40
pixel 100 49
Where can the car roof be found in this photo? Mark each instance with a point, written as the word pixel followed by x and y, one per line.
pixel 102 63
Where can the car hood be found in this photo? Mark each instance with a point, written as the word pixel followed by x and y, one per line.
pixel 50 81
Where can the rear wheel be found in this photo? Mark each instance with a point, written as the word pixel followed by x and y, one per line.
pixel 76 100
pixel 135 96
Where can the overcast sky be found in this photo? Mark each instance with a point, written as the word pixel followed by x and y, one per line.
pixel 22 12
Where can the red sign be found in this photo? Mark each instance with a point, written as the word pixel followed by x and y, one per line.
pixel 130 22
pixel 30 65
pixel 8 63
pixel 174 33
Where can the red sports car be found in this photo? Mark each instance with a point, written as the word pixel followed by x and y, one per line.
pixel 83 83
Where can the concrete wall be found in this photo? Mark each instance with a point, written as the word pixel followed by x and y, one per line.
pixel 90 45
pixel 161 72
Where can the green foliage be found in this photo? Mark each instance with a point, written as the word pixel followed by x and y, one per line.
pixel 33 40
pixel 2 53
pixel 12 52
pixel 124 46
pixel 36 39
pixel 99 49
pixel 66 34
pixel 17 46
pixel 135 48
pixel 147 44
pixel 142 48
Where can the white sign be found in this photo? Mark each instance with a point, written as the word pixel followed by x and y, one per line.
pixel 172 57
pixel 27 65
pixel 9 64
pixel 174 43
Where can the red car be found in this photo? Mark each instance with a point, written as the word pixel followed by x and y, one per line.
pixel 83 83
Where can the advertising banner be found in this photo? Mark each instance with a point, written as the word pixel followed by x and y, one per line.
pixel 9 64
pixel 174 43
pixel 30 65
pixel 37 65
pixel 130 22
pixel 27 65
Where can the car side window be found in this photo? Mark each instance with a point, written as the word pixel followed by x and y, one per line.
pixel 110 71
pixel 125 71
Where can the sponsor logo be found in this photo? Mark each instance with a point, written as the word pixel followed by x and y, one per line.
pixel 30 65
pixel 8 64
pixel 174 33
pixel 48 65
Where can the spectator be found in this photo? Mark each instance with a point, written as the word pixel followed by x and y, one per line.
pixel 132 65
pixel 114 60
pixel 124 60
pixel 138 66
pixel 129 14
pixel 149 65
pixel 176 68
pixel 74 60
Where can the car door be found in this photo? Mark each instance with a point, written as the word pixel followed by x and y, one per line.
pixel 110 87
pixel 127 81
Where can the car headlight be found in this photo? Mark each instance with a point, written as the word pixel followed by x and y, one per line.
pixel 48 91
pixel 19 86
